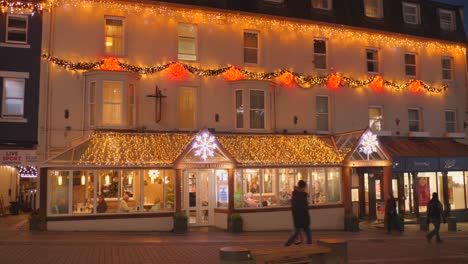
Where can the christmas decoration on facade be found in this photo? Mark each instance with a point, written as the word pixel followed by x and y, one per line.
pixel 232 73
pixel 27 172
pixel 368 143
pixel 286 78
pixel 204 146
pixel 111 64
pixel 21 7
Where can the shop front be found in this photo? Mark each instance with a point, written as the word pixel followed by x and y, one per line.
pixel 424 166
pixel 144 178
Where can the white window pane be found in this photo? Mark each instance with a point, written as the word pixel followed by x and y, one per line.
pixel 187 46
pixel 14 107
pixel 114 36
pixel 322 104
pixel 250 55
pixel 322 122
pixel 14 88
pixel 112 114
pixel 239 110
pixel 250 40
pixel 334 185
pixel 187 30
pixel 112 92
pixel 58 192
pixel 320 61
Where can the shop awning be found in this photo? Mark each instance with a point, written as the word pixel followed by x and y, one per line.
pixel 280 150
pixel 426 154
pixel 114 149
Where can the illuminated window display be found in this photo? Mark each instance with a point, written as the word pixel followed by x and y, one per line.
pixel 273 187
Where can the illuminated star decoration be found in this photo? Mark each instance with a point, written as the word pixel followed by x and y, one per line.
pixel 368 144
pixel 204 146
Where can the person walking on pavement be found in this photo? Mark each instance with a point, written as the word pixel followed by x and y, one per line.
pixel 434 216
pixel 391 214
pixel 300 212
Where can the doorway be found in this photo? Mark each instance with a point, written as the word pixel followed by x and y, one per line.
pixel 198 197
pixel 371 198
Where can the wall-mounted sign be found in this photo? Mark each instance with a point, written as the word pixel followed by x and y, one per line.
pixel 13 157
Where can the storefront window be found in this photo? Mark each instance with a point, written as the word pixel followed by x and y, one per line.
pixel 318 186
pixel 466 187
pixel 238 194
pixel 427 184
pixel 456 192
pixel 287 181
pixel 130 185
pixel 251 187
pixel 269 188
pixel 334 185
pixel 221 188
pixel 108 188
pixel 59 192
pixel 83 192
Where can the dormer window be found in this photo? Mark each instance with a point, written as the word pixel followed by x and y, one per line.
pixel 447 20
pixel 411 14
pixel 17 29
pixel 322 4
pixel 373 8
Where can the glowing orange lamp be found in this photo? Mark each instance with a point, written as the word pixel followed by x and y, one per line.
pixel 177 70
pixel 415 86
pixel 334 81
pixel 286 78
pixel 111 64
pixel 377 83
pixel 233 74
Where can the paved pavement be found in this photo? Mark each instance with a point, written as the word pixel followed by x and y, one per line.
pixel 371 245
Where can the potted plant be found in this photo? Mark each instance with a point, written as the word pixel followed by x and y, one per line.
pixel 235 223
pixel 34 220
pixel 351 223
pixel 180 222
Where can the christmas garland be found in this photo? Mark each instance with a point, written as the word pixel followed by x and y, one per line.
pixel 21 6
pixel 232 73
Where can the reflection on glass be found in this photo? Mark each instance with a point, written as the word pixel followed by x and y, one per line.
pixel 58 191
pixel 221 188
pixel 83 192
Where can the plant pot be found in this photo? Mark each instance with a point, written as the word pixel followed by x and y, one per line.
pixel 235 225
pixel 180 225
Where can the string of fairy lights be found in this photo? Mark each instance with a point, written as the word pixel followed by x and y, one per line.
pixel 333 80
pixel 21 7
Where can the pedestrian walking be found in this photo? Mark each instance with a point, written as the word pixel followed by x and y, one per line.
pixel 391 214
pixel 434 216
pixel 300 213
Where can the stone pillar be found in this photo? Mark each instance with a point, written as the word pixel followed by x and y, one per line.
pixel 346 190
pixel 43 178
pixel 231 180
pixel 178 190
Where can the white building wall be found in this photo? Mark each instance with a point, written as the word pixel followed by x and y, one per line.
pixel 152 40
pixel 128 224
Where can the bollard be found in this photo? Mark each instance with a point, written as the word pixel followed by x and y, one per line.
pixel 232 255
pixel 339 251
pixel 452 223
pixel 423 226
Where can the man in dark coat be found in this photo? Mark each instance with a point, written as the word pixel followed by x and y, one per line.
pixel 300 212
pixel 434 216
pixel 391 214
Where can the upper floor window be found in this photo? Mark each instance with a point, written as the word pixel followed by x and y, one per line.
pixel 410 64
pixel 112 103
pixel 321 107
pixel 450 121
pixel 320 54
pixel 187 42
pixel 13 98
pixel 251 47
pixel 447 20
pixel 373 8
pixel 447 64
pixel 256 108
pixel 17 29
pixel 322 4
pixel 411 13
pixel 114 36
pixel 375 118
pixel 414 119
pixel 372 59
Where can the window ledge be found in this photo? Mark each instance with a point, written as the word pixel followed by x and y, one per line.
pixel 323 132
pixel 455 135
pixel 13 120
pixel 419 134
pixel 383 133
pixel 12 45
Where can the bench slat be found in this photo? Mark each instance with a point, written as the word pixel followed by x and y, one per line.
pixel 284 252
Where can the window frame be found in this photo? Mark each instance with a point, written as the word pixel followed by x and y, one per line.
pixel 450 70
pixel 8 29
pixel 381 114
pixel 329 4
pixel 195 40
pixel 245 91
pixel 410 65
pixel 419 120
pixel 257 49
pixel 417 15
pixel 4 113
pixel 321 54
pixel 452 26
pixel 379 7
pixel 327 113
pixel 92 104
pixel 264 109
pixel 123 51
pixel 375 61
pixel 447 122
pixel 122 105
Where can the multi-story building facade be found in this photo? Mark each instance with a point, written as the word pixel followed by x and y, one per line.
pixel 20 60
pixel 216 107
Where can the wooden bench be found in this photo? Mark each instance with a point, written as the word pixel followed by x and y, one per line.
pixel 294 254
